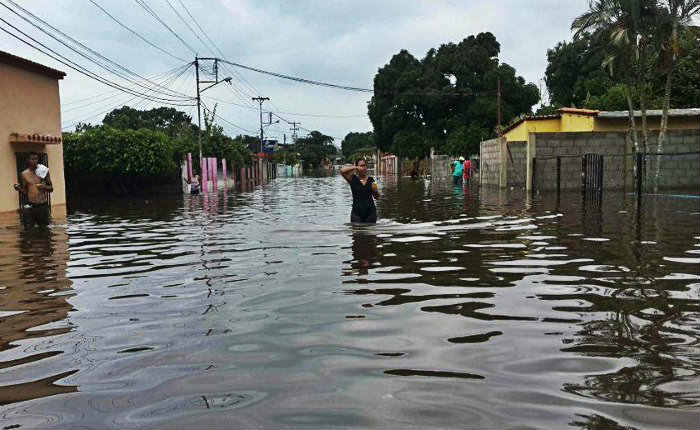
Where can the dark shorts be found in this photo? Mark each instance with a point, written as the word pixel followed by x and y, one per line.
pixel 457 180
pixel 35 214
pixel 370 217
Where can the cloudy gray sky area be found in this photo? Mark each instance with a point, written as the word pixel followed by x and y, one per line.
pixel 337 41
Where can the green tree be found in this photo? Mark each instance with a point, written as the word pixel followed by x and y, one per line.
pixel 674 22
pixel 434 102
pixel 354 141
pixel 166 119
pixel 315 148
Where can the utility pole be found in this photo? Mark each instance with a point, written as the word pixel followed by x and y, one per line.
pixel 261 100
pixel 199 99
pixel 199 115
pixel 294 131
pixel 498 102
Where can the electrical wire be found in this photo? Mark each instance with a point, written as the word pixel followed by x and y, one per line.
pixel 80 44
pixel 157 18
pixel 80 69
pixel 187 24
pixel 134 32
pixel 297 79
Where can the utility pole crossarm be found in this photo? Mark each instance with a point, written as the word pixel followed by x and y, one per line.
pixel 261 100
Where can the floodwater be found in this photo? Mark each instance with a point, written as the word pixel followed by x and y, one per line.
pixel 266 308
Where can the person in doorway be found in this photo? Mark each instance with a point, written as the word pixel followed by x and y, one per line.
pixel 364 191
pixel 458 171
pixel 35 186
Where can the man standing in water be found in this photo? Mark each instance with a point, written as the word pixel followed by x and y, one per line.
pixel 36 189
pixel 364 191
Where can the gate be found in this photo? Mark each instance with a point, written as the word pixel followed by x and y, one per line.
pixel 592 176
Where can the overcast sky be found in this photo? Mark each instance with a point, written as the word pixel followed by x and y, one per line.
pixel 342 42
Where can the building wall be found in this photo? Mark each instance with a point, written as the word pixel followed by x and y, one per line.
pixel 519 133
pixel 490 162
pixel 653 123
pixel 29 103
pixel 515 160
pixel 618 162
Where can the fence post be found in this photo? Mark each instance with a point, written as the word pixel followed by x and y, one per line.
pixel 600 177
pixel 584 160
pixel 503 167
pixel 640 161
pixel 530 162
pixel 558 174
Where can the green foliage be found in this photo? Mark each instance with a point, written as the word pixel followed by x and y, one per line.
pixel 575 73
pixel 106 152
pixel 315 148
pixel 365 153
pixel 126 156
pixel 592 70
pixel 166 119
pixel 354 141
pixel 447 99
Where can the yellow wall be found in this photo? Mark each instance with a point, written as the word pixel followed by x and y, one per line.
pixel 574 122
pixel 585 123
pixel 520 132
pixel 29 103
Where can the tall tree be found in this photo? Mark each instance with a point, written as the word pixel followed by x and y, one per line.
pixel 619 26
pixel 357 141
pixel 675 21
pixel 447 100
pixel 315 148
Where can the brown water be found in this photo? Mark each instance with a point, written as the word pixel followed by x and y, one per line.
pixel 266 309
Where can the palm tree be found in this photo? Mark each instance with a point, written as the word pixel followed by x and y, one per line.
pixel 675 18
pixel 621 26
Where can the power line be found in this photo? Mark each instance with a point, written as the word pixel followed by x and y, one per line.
pixel 186 24
pixel 124 102
pixel 80 69
pixel 134 32
pixel 200 28
pixel 109 93
pixel 294 78
pixel 157 18
pixel 225 120
pixel 168 92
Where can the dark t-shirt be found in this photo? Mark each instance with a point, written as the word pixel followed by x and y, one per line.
pixel 362 199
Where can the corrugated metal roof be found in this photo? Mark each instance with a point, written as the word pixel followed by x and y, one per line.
pixel 651 112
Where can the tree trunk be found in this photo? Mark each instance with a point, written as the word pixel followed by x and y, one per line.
pixel 664 115
pixel 641 63
pixel 632 124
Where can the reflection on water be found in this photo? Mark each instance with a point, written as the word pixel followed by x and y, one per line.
pixel 265 308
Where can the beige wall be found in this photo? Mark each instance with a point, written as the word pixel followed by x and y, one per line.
pixel 29 103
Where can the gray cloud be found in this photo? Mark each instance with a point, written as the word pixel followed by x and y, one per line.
pixel 337 41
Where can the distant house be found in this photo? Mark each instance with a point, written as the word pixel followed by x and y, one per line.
pixel 30 120
pixel 569 120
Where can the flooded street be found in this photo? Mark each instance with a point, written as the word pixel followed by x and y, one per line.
pixel 267 308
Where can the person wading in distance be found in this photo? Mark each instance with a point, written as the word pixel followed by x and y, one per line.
pixel 364 191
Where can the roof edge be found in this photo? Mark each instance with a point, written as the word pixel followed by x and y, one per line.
pixel 30 66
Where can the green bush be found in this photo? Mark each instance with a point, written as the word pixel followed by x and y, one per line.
pixel 105 152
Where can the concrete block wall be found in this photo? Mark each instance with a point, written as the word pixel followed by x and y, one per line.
pixel 490 162
pixel 676 171
pixel 618 161
pixel 516 160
